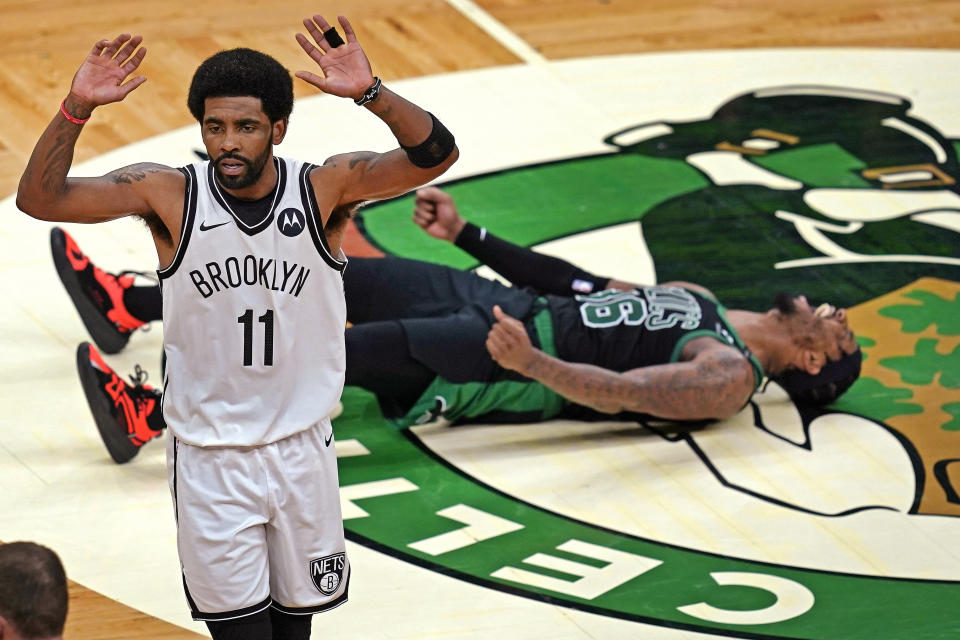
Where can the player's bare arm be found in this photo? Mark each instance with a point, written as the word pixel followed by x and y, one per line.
pixel 45 191
pixel 714 383
pixel 366 175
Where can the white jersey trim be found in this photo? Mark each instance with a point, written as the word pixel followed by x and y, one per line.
pixel 186 221
pixel 279 190
pixel 309 199
pixel 307 196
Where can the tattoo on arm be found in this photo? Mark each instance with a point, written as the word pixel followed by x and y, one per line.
pixel 131 174
pixel 57 160
pixel 399 121
pixel 361 156
pixel 386 114
pixel 585 384
pixel 715 387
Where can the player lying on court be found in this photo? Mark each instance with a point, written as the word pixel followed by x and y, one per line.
pixel 433 341
pixel 253 372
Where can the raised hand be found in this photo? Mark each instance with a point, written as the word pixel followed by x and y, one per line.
pixel 346 70
pixel 508 342
pixel 100 79
pixel 435 213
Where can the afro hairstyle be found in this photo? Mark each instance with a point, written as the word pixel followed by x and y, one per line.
pixel 242 72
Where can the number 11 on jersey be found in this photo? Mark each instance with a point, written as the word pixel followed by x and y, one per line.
pixel 247 321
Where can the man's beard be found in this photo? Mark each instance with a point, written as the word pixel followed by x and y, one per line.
pixel 785 302
pixel 254 170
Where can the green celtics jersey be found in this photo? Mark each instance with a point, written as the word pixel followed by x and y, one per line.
pixel 624 330
pixel 617 330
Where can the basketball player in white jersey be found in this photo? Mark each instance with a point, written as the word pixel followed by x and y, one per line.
pixel 253 310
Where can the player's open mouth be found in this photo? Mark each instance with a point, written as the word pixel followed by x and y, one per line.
pixel 825 310
pixel 232 167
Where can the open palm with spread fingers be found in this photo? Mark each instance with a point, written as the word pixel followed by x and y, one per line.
pixel 100 79
pixel 346 70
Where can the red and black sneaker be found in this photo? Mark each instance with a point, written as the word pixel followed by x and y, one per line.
pixel 98 295
pixel 127 416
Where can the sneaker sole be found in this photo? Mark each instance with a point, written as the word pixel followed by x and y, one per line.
pixel 119 447
pixel 104 334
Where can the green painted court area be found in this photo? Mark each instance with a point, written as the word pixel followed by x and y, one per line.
pixel 843 198
pixel 407 487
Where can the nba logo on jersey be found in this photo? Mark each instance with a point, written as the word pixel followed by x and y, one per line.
pixel 290 222
pixel 582 286
pixel 327 573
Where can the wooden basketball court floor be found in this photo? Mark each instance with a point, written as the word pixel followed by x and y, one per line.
pixel 520 82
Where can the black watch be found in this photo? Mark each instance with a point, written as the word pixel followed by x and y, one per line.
pixel 371 94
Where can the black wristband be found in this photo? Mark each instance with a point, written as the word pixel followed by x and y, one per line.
pixel 526 268
pixel 469 236
pixel 371 94
pixel 435 149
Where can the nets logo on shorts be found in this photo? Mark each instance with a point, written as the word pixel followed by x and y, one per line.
pixel 327 573
pixel 291 222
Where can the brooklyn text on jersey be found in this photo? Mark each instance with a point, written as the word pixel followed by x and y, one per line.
pixel 250 271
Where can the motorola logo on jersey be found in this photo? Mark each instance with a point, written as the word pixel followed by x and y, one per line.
pixel 290 222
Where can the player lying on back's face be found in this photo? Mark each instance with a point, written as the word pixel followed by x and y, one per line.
pixel 823 328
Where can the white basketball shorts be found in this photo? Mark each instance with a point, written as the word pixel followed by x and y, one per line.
pixel 259 526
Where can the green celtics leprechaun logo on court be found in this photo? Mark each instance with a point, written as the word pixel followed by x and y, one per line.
pixel 843 195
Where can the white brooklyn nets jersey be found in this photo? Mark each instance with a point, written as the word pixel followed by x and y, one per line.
pixel 253 316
